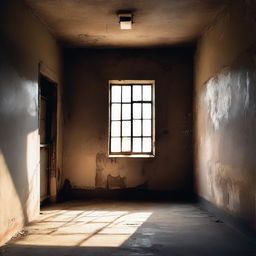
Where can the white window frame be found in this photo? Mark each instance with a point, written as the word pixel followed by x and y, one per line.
pixel 130 153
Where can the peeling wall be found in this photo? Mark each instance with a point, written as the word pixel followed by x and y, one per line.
pixel 225 113
pixel 86 162
pixel 24 42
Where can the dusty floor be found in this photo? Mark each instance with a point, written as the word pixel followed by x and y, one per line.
pixel 127 228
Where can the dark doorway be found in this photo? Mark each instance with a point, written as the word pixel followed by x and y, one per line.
pixel 47 97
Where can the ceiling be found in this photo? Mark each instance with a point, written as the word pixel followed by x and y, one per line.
pixel 157 23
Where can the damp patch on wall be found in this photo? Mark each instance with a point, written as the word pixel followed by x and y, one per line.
pixel 224 189
pixel 218 98
pixel 116 182
pixel 228 93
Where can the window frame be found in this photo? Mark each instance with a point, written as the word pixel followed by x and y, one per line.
pixel 152 102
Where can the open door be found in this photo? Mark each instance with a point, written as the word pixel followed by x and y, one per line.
pixel 47 135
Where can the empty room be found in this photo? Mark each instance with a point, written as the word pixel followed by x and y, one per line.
pixel 127 127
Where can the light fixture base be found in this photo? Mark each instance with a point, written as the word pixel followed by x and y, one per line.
pixel 125 20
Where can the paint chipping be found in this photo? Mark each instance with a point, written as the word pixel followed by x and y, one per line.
pixel 101 162
pixel 218 98
pixel 226 93
pixel 117 182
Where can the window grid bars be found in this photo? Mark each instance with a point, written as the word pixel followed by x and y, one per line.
pixel 121 128
pixel 131 119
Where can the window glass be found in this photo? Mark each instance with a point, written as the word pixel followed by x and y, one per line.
pixel 146 111
pixel 146 127
pixel 126 93
pixel 126 144
pixel 116 128
pixel 136 144
pixel 126 111
pixel 147 93
pixel 116 112
pixel 137 110
pixel 116 93
pixel 115 144
pixel 126 128
pixel 136 94
pixel 146 144
pixel 136 127
pixel 131 120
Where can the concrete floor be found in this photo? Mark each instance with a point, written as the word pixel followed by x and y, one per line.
pixel 127 228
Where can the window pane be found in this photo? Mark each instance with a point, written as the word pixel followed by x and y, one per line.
pixel 137 110
pixel 126 128
pixel 146 144
pixel 146 127
pixel 131 122
pixel 147 92
pixel 115 144
pixel 136 92
pixel 136 144
pixel 147 110
pixel 136 127
pixel 126 111
pixel 126 144
pixel 116 128
pixel 126 93
pixel 116 112
pixel 116 94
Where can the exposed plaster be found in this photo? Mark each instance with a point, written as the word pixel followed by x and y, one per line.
pixel 218 98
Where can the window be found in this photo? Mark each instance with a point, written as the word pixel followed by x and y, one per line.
pixel 131 118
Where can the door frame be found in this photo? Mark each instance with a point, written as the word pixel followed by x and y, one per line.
pixel 53 147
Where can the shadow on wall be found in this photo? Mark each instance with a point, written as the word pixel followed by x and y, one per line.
pixel 19 148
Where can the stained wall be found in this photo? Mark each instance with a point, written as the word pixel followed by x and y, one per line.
pixel 225 113
pixel 86 162
pixel 24 43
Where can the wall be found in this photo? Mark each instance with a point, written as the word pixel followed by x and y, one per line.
pixel 24 42
pixel 86 163
pixel 225 113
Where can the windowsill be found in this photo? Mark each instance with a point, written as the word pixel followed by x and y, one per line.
pixel 132 156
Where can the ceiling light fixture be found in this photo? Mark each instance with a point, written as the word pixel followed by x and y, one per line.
pixel 125 20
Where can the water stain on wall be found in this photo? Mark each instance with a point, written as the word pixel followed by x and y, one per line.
pixel 230 89
pixel 101 162
pixel 218 98
pixel 86 137
pixel 224 189
pixel 226 145
pixel 116 182
pixel 103 177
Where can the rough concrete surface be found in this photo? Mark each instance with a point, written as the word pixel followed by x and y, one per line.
pixel 127 228
pixel 95 23
pixel 21 50
pixel 85 155
pixel 225 114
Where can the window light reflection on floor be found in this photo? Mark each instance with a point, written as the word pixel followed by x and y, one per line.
pixel 83 228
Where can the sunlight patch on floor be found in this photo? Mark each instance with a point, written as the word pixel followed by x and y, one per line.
pixel 92 228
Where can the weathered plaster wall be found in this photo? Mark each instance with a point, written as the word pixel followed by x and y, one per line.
pixel 24 42
pixel 225 113
pixel 86 163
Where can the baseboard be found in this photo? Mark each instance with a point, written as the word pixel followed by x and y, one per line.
pixel 124 194
pixel 235 222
